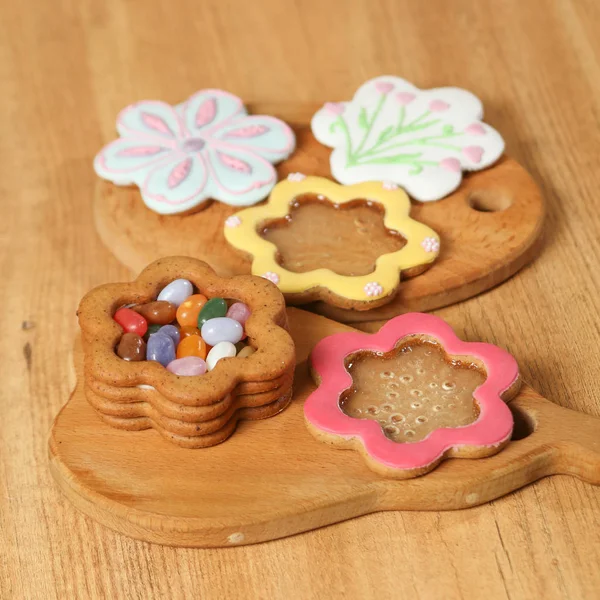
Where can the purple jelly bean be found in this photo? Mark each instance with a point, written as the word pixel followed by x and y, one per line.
pixel 239 312
pixel 160 348
pixel 188 365
pixel 171 331
pixel 222 329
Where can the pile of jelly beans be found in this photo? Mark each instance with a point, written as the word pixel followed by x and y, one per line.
pixel 185 332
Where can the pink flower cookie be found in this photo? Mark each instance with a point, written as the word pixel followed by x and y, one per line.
pixel 208 147
pixel 421 140
pixel 411 395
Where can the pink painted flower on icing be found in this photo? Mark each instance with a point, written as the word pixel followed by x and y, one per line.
pixel 438 106
pixel 296 176
pixel 404 98
pixel 206 147
pixel 272 277
pixel 373 289
pixel 491 429
pixel 430 244
pixel 384 87
pixel 336 108
pixel 233 221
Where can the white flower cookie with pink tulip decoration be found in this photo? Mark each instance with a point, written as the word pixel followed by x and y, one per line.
pixel 421 140
pixel 208 147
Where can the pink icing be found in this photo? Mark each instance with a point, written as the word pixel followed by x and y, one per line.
pixel 473 153
pixel 475 129
pixel 141 151
pixel 234 163
pixel 438 105
pixel 206 112
pixel 179 173
pixel 384 87
pixel 450 164
pixel 247 132
pixel 492 427
pixel 404 98
pixel 155 122
pixel 337 108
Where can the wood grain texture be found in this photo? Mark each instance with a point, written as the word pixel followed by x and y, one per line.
pixel 481 247
pixel 238 492
pixel 66 69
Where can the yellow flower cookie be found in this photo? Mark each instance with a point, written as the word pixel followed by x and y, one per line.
pixel 345 245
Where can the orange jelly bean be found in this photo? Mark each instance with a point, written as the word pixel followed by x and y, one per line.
pixel 186 331
pixel 188 310
pixel 192 345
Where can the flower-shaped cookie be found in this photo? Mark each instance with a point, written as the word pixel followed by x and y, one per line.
pixel 419 139
pixel 208 147
pixel 360 292
pixel 486 435
pixel 266 329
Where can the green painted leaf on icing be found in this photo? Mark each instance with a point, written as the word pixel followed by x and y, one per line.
pixel 397 158
pixel 416 170
pixel 447 129
pixel 385 134
pixel 362 118
pixel 333 126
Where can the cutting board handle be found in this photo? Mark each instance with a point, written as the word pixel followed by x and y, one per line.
pixel 573 438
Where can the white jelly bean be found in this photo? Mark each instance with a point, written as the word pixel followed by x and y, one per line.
pixel 221 350
pixel 176 292
pixel 222 329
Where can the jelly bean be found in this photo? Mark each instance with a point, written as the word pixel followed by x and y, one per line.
pixel 132 347
pixel 171 331
pixel 177 291
pixel 188 311
pixel 239 311
pixel 158 312
pixel 190 365
pixel 215 307
pixel 154 328
pixel 160 348
pixel 221 350
pixel 131 322
pixel 221 329
pixel 192 345
pixel 186 331
pixel 245 352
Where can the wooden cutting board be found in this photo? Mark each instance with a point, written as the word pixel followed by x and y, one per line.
pixel 489 228
pixel 272 478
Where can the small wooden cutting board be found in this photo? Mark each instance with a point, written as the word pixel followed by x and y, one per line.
pixel 272 478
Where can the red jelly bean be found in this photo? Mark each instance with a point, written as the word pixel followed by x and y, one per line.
pixel 131 321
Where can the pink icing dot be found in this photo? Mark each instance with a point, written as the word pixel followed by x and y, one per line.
pixel 233 221
pixel 475 129
pixel 389 185
pixel 404 98
pixel 189 366
pixel 430 244
pixel 450 164
pixel 373 289
pixel 296 177
pixel 272 277
pixel 384 87
pixel 337 108
pixel 239 312
pixel 438 106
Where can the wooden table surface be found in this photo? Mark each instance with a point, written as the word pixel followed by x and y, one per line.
pixel 67 67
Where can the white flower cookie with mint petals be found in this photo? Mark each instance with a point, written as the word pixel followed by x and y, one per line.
pixel 208 147
pixel 422 140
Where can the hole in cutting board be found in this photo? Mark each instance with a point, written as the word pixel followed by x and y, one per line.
pixel 412 390
pixel 489 200
pixel 345 238
pixel 524 424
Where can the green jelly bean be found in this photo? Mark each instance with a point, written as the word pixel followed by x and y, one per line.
pixel 215 307
pixel 152 329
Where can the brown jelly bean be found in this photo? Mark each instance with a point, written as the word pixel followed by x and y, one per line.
pixel 131 347
pixel 159 312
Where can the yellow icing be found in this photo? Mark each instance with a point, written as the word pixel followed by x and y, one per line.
pixel 245 236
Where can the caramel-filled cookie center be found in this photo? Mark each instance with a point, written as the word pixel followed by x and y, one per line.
pixel 412 390
pixel 345 238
